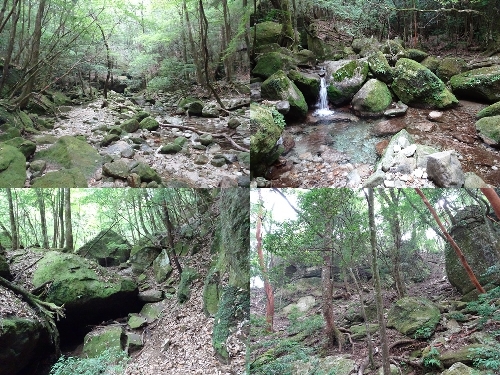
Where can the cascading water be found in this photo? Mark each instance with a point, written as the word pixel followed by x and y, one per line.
pixel 322 105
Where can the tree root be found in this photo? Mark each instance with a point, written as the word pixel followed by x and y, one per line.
pixel 400 360
pixel 220 135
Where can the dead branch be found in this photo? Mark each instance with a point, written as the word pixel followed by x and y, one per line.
pixel 400 360
pixel 401 342
pixel 445 10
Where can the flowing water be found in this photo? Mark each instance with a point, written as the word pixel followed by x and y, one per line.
pixel 322 105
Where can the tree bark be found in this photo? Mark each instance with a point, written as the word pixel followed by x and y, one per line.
pixel 43 219
pixel 13 223
pixel 67 217
pixel 62 225
pixel 170 231
pixel 493 198
pixel 194 50
pixel 453 244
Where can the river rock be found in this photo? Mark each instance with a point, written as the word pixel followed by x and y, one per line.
pixel 478 84
pixel 489 130
pixel 146 173
pixel 342 363
pixel 476 239
pixel 380 67
pixel 473 181
pixel 149 123
pixel 130 125
pixel 267 32
pixel 12 167
pixel 307 83
pixel 206 139
pixel 450 66
pixel 233 123
pixel 218 161
pixel 108 139
pixel 396 110
pixel 97 342
pixel 435 116
pixel 119 169
pixel 108 248
pixel 347 77
pixel 210 110
pixel 400 140
pixel 417 86
pixel 170 148
pixel 25 146
pixel 372 99
pixel 283 107
pixel 445 170
pixel 458 368
pixel 161 267
pixel 271 63
pixel 280 87
pixel 71 178
pixel 120 148
pixel 492 110
pixel 264 146
pixel 414 317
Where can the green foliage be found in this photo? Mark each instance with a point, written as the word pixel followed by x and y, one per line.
pixel 110 362
pixel 486 306
pixel 423 332
pixel 306 326
pixel 278 118
pixel 431 359
pixel 458 316
pixel 487 358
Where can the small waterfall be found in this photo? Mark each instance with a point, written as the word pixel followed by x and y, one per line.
pixel 322 105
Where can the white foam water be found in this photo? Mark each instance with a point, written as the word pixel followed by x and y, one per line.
pixel 322 105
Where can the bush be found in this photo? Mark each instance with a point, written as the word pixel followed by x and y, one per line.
pixel 110 362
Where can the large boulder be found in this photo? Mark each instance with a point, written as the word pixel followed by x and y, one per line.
pixel 478 84
pixel 143 253
pixel 450 66
pixel 307 83
pixel 458 368
pixel 69 178
pixel 280 87
pixel 271 62
pixel 71 152
pixel 380 67
pixel 264 146
pixel 161 267
pixel 266 33
pixel 414 317
pixel 12 167
pixel 445 170
pixel 488 129
pixel 97 342
pixel 417 86
pixel 476 236
pixel 347 77
pixel 25 146
pixel 24 340
pixel 108 248
pixel 372 99
pixel 342 364
pixel 491 110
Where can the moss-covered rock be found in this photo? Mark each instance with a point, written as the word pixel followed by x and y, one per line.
pixel 308 84
pixel 431 63
pixel 141 115
pixel 109 138
pixel 4 268
pixel 458 368
pixel 359 330
pixel 380 67
pixel 161 267
pixel 280 87
pixel 130 125
pixel 70 152
pixel 71 178
pixel 59 98
pixel 41 105
pixel 372 99
pixel 96 342
pixel 12 167
pixel 267 32
pixel 25 146
pixel 193 106
pixel 491 110
pixel 184 290
pixel 170 148
pixel 142 254
pixel 465 354
pixel 365 46
pixel 417 86
pixel 323 50
pixel 305 58
pixel 272 62
pixel 346 80
pixel 108 248
pixel 450 66
pixel 341 364
pixel 489 130
pixel 414 317
pixel 149 123
pixel 415 54
pixel 478 84
pixel 146 173
pixel 211 292
pixel 264 147
pixel 393 47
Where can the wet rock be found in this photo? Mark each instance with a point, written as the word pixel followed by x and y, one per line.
pixel 12 167
pixel 136 321
pixel 417 86
pixel 445 170
pixel 435 116
pixel 478 84
pixel 218 162
pixel 414 317
pixel 233 123
pixel 387 127
pixel 130 126
pixel 347 77
pixel 307 83
pixel 473 181
pixel 151 296
pixel 283 107
pixel 149 123
pixel 201 159
pixel 118 169
pixel 108 139
pixel 489 130
pixel 71 178
pixel 280 87
pixel 170 148
pixel 205 139
pixel 372 99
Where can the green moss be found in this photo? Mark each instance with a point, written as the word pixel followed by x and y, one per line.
pixel 71 178
pixel 211 292
pixel 351 69
pixel 95 343
pixel 12 167
pixel 482 84
pixel 187 277
pixel 492 110
pixel 372 99
pixel 233 308
pixel 26 147
pixel 272 62
pixel 416 54
pixel 309 85
pixel 431 63
pixel 450 66
pixel 149 123
pixel 267 32
pixel 489 127
pixel 380 67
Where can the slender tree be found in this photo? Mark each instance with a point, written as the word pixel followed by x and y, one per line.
pixel 67 219
pixel 13 222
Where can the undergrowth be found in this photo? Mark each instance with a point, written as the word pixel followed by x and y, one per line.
pixel 110 362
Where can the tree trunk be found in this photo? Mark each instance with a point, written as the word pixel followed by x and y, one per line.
pixel 67 217
pixel 13 223
pixel 62 226
pixel 170 231
pixel 108 59
pixel 493 198
pixel 10 47
pixel 267 285
pixel 228 61
pixel 453 244
pixel 378 288
pixel 43 220
pixel 194 50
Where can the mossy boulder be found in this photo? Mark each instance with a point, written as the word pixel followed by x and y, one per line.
pixel 323 50
pixel 308 84
pixel 393 47
pixel 161 267
pixel 108 248
pixel 130 125
pixel 211 293
pixel 142 254
pixel 146 173
pixel 184 290
pixel 478 84
pixel 305 58
pixel 372 99
pixel 149 123
pixel 346 80
pixel 25 146
pixel 491 110
pixel 191 105
pixel 170 148
pixel 271 62
pixel 71 152
pixel 380 67
pixel 465 354
pixel 431 63
pixel 417 86
pixel 97 342
pixel 415 54
pixel 141 115
pixel 414 317
pixel 280 87
pixel 365 46
pixel 450 66
pixel 489 130
pixel 266 33
pixel 264 146
pixel 41 105
pixel 341 364
pixel 234 307
pixel 359 330
pixel 58 98
pixel 71 178
pixel 12 167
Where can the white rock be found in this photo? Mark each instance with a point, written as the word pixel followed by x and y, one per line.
pixel 435 116
pixel 397 148
pixel 409 151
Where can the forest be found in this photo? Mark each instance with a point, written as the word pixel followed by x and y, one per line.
pixel 145 92
pixel 374 281
pixel 375 93
pixel 119 281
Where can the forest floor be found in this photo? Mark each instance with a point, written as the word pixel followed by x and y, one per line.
pixel 436 288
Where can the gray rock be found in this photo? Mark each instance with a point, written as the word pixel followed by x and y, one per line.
pixel 218 162
pixel 170 148
pixel 134 342
pixel 151 296
pixel 283 107
pixel 118 169
pixel 473 181
pixel 397 110
pixel 444 169
pixel 206 139
pixel 233 123
pixel 376 179
pixel 201 159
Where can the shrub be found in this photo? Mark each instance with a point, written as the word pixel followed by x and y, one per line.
pixel 431 359
pixel 110 362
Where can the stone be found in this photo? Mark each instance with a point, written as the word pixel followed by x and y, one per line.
pixel 170 148
pixel 70 178
pixel 415 54
pixel 358 331
pixel 444 169
pixel 218 162
pixel 478 84
pixel 458 368
pixel 280 87
pixel 473 181
pixel 130 126
pixel 12 167
pixel 201 159
pixel 141 115
pixel 387 127
pixel 491 110
pixel 417 86
pixel 161 267
pixel 210 110
pixel 26 147
pixel 450 66
pixel 267 32
pixel 152 311
pixel 184 290
pixel 435 116
pixel 272 62
pixel 283 107
pixel 38 165
pixel 431 63
pixel 307 83
pixel 108 248
pixel 233 123
pixel 118 169
pixel 134 342
pixel 342 363
pixel 376 179
pixel 108 139
pixel 372 99
pixel 396 110
pixel 96 342
pixel 149 123
pixel 211 293
pixel 206 139
pixel 146 173
pixel 151 296
pixel 414 317
pixel 489 130
pixel 380 67
pixel 136 321
pixel 365 46
pixel 464 355
pixel 142 254
pixel 401 139
pixel 181 141
pixel 347 77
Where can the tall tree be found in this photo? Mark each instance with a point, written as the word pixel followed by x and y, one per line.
pixel 43 220
pixel 13 222
pixel 67 218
